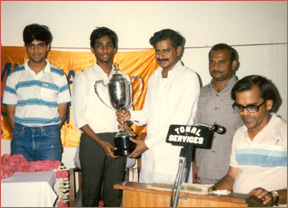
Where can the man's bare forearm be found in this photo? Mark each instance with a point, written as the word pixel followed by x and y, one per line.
pixel 10 115
pixel 226 183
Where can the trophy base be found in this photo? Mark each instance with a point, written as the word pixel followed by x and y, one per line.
pixel 124 145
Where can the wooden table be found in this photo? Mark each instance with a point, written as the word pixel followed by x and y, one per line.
pixel 139 195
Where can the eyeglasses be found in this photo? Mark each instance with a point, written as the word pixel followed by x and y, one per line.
pixel 251 108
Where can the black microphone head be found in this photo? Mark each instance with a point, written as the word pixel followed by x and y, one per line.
pixel 219 129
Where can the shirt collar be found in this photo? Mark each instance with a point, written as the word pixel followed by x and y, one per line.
pixel 102 74
pixel 45 70
pixel 173 70
pixel 229 84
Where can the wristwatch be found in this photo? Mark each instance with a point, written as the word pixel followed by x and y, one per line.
pixel 275 196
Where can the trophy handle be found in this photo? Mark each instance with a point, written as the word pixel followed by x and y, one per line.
pixel 95 87
pixel 140 87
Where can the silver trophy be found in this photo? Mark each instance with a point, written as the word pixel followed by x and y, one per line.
pixel 119 90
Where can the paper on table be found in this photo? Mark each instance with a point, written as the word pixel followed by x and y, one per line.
pixel 220 192
pixel 185 187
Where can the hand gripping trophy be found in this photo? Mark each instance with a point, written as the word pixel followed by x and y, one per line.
pixel 119 90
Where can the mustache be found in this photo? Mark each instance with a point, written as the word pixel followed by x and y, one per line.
pixel 215 72
pixel 162 59
pixel 245 117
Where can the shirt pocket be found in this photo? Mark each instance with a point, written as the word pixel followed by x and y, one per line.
pixel 49 92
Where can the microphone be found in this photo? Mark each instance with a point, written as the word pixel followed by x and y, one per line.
pixel 190 136
pixel 216 127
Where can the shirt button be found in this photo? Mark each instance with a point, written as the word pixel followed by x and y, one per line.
pixel 215 108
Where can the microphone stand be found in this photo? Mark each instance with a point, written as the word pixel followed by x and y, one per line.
pixel 178 180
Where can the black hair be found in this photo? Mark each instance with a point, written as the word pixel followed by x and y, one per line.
pixel 37 32
pixel 176 39
pixel 99 32
pixel 223 46
pixel 268 91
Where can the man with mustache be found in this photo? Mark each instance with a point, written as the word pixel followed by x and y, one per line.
pixel 214 106
pixel 98 125
pixel 171 98
pixel 258 161
pixel 36 97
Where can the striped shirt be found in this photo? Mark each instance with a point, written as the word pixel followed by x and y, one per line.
pixel 262 162
pixel 36 96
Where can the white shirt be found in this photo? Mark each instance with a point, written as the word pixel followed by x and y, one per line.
pixel 262 162
pixel 171 100
pixel 87 108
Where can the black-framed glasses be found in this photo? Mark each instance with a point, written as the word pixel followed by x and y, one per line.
pixel 251 108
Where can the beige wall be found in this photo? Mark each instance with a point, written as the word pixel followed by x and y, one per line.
pixel 252 27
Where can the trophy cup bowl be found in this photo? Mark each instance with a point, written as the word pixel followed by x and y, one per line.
pixel 120 97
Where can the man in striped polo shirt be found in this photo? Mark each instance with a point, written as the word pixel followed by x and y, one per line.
pixel 36 96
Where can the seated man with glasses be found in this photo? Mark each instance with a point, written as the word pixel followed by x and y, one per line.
pixel 258 161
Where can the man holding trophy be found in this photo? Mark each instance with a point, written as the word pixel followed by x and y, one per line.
pixel 98 124
pixel 171 98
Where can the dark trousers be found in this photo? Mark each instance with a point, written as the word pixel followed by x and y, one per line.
pixel 97 168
